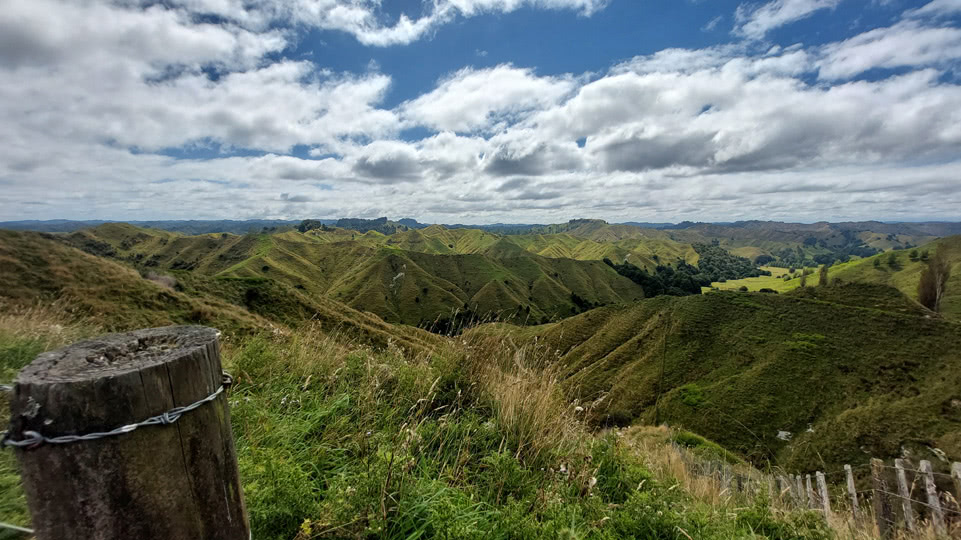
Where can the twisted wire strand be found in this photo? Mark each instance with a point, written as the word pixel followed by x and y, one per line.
pixel 17 528
pixel 32 439
pixel 918 471
pixel 943 509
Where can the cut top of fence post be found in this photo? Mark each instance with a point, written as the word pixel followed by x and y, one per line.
pixel 113 355
pixel 157 481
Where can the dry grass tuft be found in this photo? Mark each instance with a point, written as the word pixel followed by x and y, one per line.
pixel 524 390
pixel 53 324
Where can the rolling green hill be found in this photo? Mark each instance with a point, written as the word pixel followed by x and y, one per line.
pixel 849 372
pixel 39 268
pixel 336 438
pixel 371 272
pixel 906 273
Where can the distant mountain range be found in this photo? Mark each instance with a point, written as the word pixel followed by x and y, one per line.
pixel 386 226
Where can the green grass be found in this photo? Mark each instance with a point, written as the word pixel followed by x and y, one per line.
pixel 906 273
pixel 338 440
pixel 852 372
pixel 775 282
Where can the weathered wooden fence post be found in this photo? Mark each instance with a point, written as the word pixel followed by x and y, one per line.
pixel 825 497
pixel 905 495
pixel 937 516
pixel 956 476
pixel 800 490
pixel 156 458
pixel 882 506
pixel 852 491
pixel 810 492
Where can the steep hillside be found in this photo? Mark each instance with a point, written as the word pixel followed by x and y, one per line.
pixel 39 268
pixel 843 381
pixel 372 273
pixel 905 273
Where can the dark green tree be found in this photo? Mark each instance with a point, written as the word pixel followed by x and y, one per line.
pixel 823 276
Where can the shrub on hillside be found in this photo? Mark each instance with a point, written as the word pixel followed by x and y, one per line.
pixel 169 282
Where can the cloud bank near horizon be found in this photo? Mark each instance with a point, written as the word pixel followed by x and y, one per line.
pixel 194 109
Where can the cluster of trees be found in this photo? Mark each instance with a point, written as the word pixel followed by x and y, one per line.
pixel 682 279
pixel 311 224
pixel 381 225
pixel 831 251
pixel 717 264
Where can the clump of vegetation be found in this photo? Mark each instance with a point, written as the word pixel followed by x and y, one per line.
pixel 681 279
pixel 472 440
pixel 934 281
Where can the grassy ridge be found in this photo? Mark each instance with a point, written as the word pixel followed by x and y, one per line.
pixel 475 440
pixel 38 269
pixel 905 274
pixel 502 280
pixel 847 381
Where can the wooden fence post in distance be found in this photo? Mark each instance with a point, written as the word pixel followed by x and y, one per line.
pixel 905 495
pixel 882 505
pixel 956 476
pixel 823 494
pixel 937 515
pixel 852 490
pixel 173 481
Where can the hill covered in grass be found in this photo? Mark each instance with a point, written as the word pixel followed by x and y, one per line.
pixel 904 272
pixel 498 280
pixel 842 374
pixel 338 436
pixel 39 269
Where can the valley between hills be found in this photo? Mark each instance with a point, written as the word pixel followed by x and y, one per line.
pixel 637 326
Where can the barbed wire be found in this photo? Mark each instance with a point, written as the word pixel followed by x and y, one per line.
pixel 17 528
pixel 32 439
pixel 918 471
pixel 942 508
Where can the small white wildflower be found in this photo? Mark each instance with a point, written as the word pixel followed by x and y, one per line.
pixel 578 409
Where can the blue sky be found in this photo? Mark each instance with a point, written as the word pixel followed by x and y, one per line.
pixel 479 111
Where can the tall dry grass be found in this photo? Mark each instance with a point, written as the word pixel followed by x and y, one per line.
pixel 523 387
pixel 53 323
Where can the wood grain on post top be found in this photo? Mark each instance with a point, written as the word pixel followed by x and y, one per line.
pixel 176 481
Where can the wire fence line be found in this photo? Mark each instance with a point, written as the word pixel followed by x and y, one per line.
pixel 32 439
pixel 835 493
pixel 15 528
pixel 917 471
pixel 943 509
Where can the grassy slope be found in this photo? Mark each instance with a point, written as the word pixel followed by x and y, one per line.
pixel 740 367
pixel 906 274
pixel 774 282
pixel 35 267
pixel 340 440
pixel 502 280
